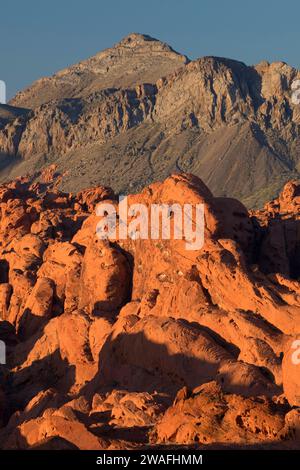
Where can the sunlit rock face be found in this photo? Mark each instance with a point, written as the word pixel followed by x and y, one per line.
pixel 126 343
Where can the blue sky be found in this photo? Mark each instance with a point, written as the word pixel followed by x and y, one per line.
pixel 38 38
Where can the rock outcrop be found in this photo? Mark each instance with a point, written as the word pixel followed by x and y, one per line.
pixel 124 343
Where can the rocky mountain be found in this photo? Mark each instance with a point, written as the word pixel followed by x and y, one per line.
pixel 139 111
pixel 136 59
pixel 134 343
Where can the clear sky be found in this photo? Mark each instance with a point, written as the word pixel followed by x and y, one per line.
pixel 39 37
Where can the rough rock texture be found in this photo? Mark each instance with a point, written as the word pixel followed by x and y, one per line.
pixel 136 59
pixel 139 111
pixel 132 343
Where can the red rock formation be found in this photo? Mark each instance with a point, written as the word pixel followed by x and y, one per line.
pixel 122 343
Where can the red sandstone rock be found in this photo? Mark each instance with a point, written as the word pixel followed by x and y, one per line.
pixel 89 198
pixel 208 416
pixel 290 370
pixel 102 335
pixel 105 278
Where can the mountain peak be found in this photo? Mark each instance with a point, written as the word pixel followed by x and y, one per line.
pixel 136 59
pixel 144 41
pixel 135 38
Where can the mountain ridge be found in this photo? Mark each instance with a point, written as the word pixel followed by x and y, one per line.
pixel 105 65
pixel 118 120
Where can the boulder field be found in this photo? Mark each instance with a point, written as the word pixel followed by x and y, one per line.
pixel 127 344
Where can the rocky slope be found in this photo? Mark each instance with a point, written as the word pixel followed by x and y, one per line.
pixel 136 59
pixel 139 111
pixel 126 344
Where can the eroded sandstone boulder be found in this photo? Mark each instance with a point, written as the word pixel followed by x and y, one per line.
pixel 207 416
pixel 291 371
pixel 115 344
